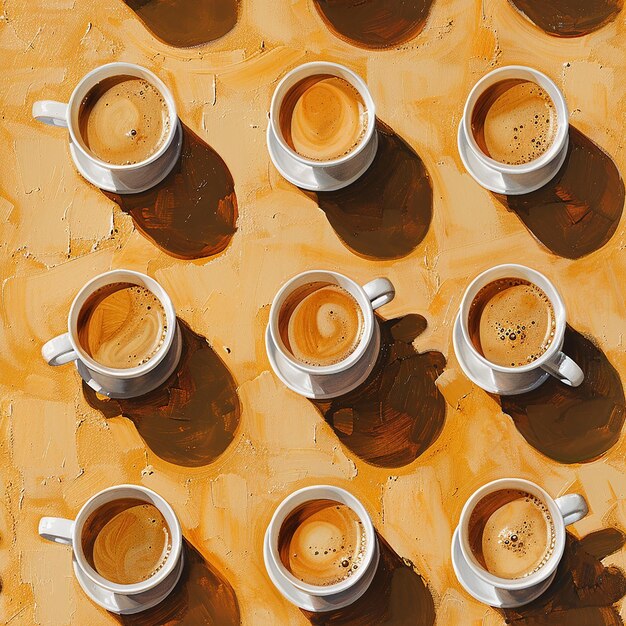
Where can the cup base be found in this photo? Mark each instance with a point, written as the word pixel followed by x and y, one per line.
pixel 319 604
pixel 129 604
pixel 507 184
pixel 113 182
pixel 483 376
pixel 328 386
pixel 486 593
pixel 310 178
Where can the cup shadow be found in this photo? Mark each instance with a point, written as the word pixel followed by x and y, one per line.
pixel 202 596
pixel 376 23
pixel 578 211
pixel 386 213
pixel 186 23
pixel 398 412
pixel 572 424
pixel 192 213
pixel 190 419
pixel 398 596
pixel 564 18
pixel 584 591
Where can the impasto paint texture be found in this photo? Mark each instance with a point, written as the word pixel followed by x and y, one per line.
pixel 386 213
pixel 192 214
pixel 569 18
pixel 398 412
pixel 578 211
pixel 374 23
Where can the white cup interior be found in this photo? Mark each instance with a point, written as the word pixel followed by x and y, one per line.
pixel 122 276
pixel 143 495
pixel 333 278
pixel 311 69
pixel 512 584
pixel 512 270
pixel 546 83
pixel 107 71
pixel 321 492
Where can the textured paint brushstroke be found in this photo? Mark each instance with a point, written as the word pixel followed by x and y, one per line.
pixel 578 211
pixel 191 419
pixel 192 214
pixel 398 412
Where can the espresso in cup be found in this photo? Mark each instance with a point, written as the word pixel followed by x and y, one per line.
pixel 122 325
pixel 511 322
pixel 123 120
pixel 323 117
pixel 514 121
pixel 322 542
pixel 511 533
pixel 126 541
pixel 321 324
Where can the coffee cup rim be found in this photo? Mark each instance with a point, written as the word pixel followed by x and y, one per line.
pixel 541 79
pixel 514 270
pixel 321 492
pixel 149 496
pixel 355 291
pixel 513 584
pixel 91 79
pixel 340 71
pixel 107 278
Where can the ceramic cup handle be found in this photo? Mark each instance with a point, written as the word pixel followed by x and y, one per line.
pixel 565 369
pixel 59 351
pixel 573 508
pixel 57 529
pixel 380 291
pixel 50 112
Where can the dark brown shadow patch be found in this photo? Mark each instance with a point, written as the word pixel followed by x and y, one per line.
pixel 578 211
pixel 202 596
pixel 190 419
pixel 192 214
pixel 398 596
pixel 569 18
pixel 186 23
pixel 584 591
pixel 573 424
pixel 386 213
pixel 398 412
pixel 374 23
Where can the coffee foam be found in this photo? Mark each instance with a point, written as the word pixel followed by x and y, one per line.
pixel 322 542
pixel 514 122
pixel 323 117
pixel 123 120
pixel 321 324
pixel 512 534
pixel 126 541
pixel 511 322
pixel 122 325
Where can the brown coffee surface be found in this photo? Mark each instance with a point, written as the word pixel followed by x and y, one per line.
pixel 126 541
pixel 323 117
pixel 322 542
pixel 511 533
pixel 123 120
pixel 321 324
pixel 514 121
pixel 511 322
pixel 122 325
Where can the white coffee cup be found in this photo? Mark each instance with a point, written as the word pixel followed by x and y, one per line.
pixel 553 361
pixel 126 598
pixel 566 510
pixel 112 382
pixel 321 175
pixel 131 178
pixel 527 177
pixel 317 597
